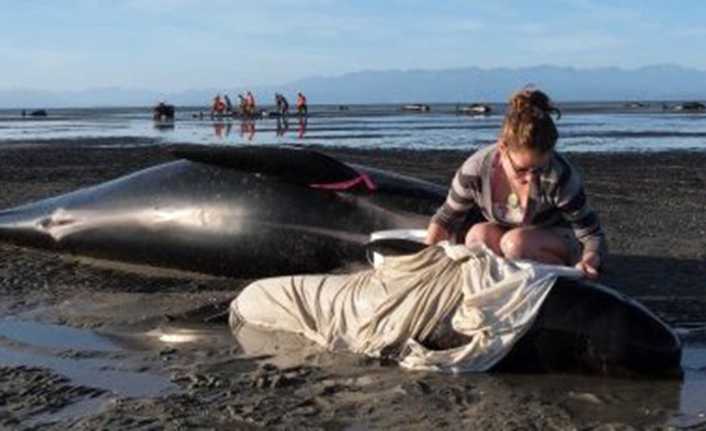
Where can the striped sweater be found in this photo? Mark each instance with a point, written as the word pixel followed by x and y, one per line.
pixel 556 198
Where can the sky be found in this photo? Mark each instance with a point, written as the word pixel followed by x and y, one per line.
pixel 175 45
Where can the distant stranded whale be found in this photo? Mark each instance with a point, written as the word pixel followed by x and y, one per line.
pixel 247 211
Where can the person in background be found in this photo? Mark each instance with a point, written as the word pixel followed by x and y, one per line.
pixel 218 107
pixel 531 198
pixel 241 104
pixel 229 105
pixel 282 104
pixel 249 104
pixel 302 108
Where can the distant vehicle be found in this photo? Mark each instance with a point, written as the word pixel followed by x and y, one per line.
pixel 163 112
pixel 38 113
pixel 636 105
pixel 690 107
pixel 416 107
pixel 476 109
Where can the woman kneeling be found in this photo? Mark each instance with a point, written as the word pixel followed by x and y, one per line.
pixel 531 197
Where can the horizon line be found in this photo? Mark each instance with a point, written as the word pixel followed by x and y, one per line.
pixel 344 74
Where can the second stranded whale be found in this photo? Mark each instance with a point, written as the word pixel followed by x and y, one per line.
pixel 248 211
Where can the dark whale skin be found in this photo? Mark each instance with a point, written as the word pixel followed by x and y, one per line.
pixel 236 212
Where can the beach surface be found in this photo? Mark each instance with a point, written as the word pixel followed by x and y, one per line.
pixel 87 344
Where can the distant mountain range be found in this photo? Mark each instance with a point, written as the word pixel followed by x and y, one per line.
pixel 464 85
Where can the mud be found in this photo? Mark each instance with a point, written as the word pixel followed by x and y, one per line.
pixel 88 344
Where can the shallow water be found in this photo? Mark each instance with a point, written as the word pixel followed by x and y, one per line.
pixel 601 398
pixel 681 404
pixel 583 127
pixel 81 355
pixel 54 336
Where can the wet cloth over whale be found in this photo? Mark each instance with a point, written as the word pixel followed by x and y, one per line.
pixel 398 305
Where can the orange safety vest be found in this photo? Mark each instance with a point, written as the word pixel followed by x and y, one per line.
pixel 218 105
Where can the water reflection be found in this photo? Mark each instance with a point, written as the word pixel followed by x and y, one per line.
pixel 81 355
pixel 282 349
pixel 375 126
pixel 164 125
pixel 641 401
pixel 221 129
pixel 282 125
pixel 302 126
pixel 247 129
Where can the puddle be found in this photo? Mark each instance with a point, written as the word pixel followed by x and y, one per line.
pixel 282 349
pixel 54 336
pixel 95 373
pixel 692 405
pixel 41 345
pixel 680 404
pixel 191 335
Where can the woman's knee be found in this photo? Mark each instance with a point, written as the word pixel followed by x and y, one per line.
pixel 486 233
pixel 515 244
pixel 534 244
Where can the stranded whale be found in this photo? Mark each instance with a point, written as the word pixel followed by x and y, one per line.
pixel 458 309
pixel 581 326
pixel 591 328
pixel 248 211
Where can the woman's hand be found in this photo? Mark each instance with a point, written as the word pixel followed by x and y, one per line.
pixel 435 233
pixel 589 264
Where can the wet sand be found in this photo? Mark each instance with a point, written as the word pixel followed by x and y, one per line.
pixel 86 344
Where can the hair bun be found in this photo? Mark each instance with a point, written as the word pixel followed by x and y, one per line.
pixel 528 122
pixel 530 98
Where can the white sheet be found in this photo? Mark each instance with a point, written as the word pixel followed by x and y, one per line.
pixel 397 305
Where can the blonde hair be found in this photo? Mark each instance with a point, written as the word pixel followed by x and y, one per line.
pixel 528 123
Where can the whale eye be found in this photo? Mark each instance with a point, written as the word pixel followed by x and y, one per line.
pixel 49 222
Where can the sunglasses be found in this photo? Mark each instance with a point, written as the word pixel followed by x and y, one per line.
pixel 521 171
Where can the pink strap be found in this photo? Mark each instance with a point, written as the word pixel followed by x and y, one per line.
pixel 349 184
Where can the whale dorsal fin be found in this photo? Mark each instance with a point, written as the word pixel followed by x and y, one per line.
pixel 289 164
